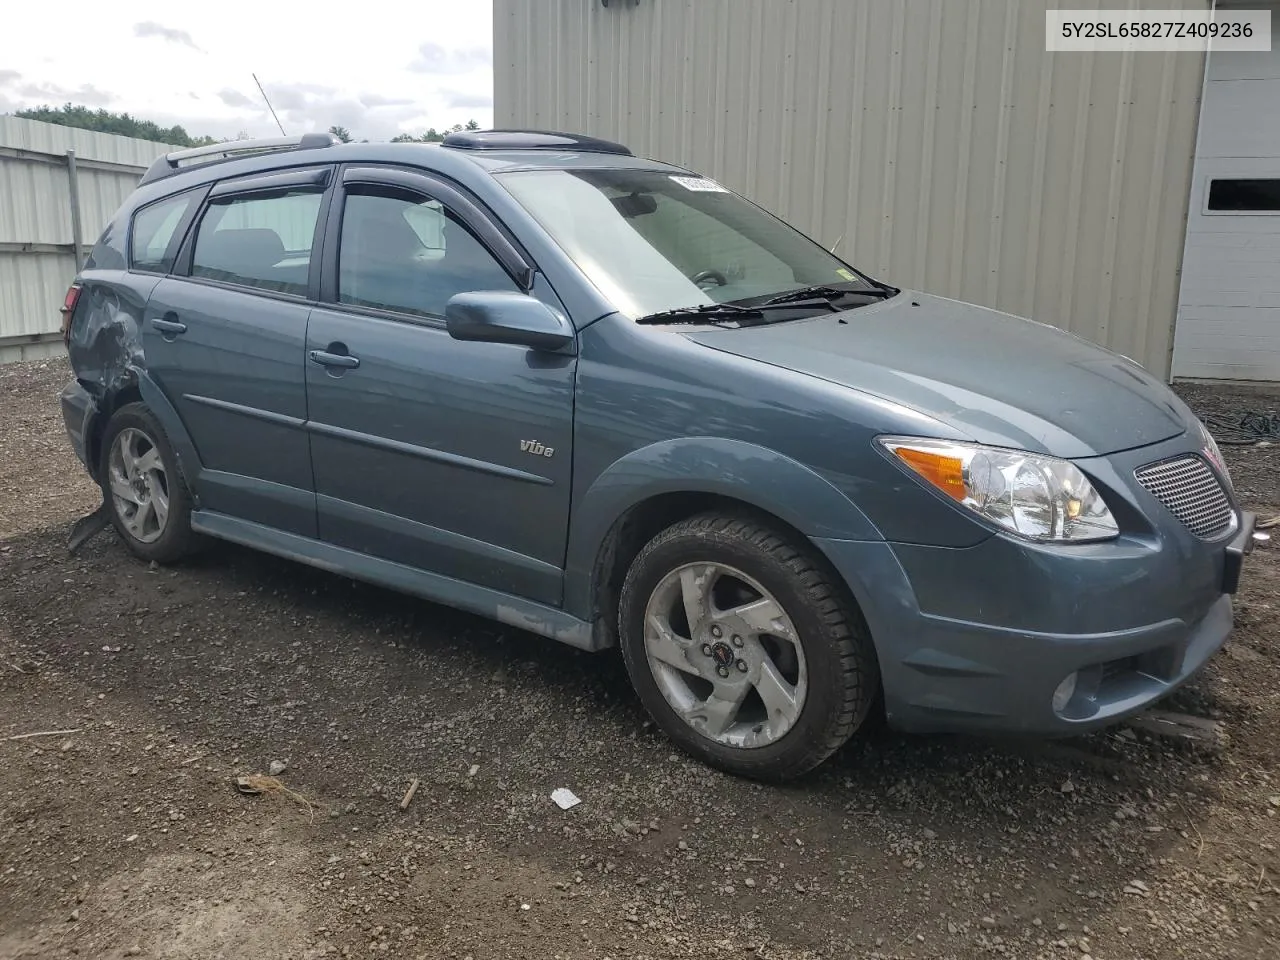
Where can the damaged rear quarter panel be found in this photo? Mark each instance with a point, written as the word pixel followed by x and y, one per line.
pixel 105 347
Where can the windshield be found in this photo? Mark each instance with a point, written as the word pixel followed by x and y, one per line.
pixel 653 241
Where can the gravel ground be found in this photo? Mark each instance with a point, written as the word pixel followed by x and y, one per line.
pixel 126 837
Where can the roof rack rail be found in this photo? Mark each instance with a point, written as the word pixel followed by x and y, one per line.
pixel 532 140
pixel 171 163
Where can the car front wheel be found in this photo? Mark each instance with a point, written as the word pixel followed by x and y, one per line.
pixel 742 647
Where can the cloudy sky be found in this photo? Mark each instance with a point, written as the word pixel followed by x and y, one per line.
pixel 376 67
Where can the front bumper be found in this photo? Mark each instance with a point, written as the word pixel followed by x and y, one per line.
pixel 980 638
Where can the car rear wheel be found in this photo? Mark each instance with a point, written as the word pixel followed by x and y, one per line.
pixel 743 648
pixel 146 495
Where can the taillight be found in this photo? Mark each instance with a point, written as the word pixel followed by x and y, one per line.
pixel 68 311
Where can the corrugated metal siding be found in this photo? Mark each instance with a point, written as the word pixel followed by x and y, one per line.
pixel 35 208
pixel 937 142
pixel 52 138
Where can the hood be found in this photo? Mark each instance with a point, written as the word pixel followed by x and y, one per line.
pixel 1000 379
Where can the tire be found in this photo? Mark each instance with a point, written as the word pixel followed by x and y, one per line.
pixel 824 672
pixel 134 430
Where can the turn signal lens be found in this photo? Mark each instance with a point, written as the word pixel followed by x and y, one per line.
pixel 1034 496
pixel 945 473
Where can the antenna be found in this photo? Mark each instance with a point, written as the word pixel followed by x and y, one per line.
pixel 269 106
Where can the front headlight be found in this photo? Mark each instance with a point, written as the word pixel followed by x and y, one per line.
pixel 1210 447
pixel 1034 496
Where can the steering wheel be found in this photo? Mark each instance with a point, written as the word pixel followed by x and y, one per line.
pixel 708 276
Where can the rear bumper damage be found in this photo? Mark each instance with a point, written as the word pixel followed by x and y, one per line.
pixel 78 411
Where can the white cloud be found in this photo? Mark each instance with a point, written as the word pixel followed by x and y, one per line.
pixel 468 101
pixel 433 58
pixel 390 70
pixel 149 28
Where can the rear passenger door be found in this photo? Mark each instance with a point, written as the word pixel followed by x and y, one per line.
pixel 224 338
pixel 447 456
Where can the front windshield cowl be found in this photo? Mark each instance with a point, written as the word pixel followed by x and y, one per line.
pixel 655 240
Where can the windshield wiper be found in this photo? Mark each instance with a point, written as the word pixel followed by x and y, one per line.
pixel 749 316
pixel 703 313
pixel 826 293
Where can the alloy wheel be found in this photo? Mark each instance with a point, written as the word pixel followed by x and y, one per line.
pixel 725 655
pixel 139 485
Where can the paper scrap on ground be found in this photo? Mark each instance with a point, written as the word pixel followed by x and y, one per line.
pixel 564 798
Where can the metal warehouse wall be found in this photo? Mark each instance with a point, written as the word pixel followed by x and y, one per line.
pixel 37 258
pixel 935 140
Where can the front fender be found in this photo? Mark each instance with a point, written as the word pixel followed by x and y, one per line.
pixel 755 475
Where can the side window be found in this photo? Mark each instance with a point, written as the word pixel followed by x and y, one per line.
pixel 153 234
pixel 258 241
pixel 400 251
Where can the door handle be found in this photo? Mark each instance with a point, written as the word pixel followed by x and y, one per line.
pixel 326 359
pixel 169 327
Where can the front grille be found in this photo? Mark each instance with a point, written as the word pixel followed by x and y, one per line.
pixel 1191 492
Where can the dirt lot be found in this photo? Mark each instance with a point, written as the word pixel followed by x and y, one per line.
pixel 127 838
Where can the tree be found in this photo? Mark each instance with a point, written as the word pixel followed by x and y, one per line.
pixel 433 135
pixel 342 133
pixel 104 121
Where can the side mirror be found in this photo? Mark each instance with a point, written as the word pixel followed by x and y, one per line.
pixel 492 316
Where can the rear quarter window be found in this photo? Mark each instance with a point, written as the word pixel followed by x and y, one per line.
pixel 154 240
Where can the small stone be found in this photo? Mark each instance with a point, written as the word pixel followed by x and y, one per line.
pixel 1067 787
pixel 525 906
pixel 75 915
pixel 952 929
pixel 928 834
pixel 133 951
pixel 475 768
pixel 682 845
pixel 749 882
pixel 988 922
pixel 276 767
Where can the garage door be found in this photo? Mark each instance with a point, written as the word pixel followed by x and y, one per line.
pixel 1229 305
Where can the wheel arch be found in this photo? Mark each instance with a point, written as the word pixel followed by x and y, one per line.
pixel 111 401
pixel 139 387
pixel 652 488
